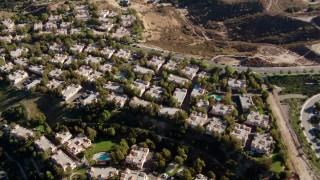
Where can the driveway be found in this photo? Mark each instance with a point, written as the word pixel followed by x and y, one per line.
pixel 306 114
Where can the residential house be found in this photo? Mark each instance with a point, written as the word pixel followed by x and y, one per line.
pixel 246 102
pixel 168 111
pixel 118 99
pixel 70 91
pixel 197 119
pixel 21 133
pixel 236 84
pixel 113 86
pixel 78 144
pixel 138 102
pixel 43 144
pixel 179 95
pixel 262 144
pixel 190 71
pixel 142 70
pixel 197 91
pixel 216 125
pixel 137 156
pixel 18 76
pixel 63 136
pixel 257 119
pixel 220 109
pixel 140 85
pixel 241 132
pixel 155 92
pixel 62 160
pixel 177 79
pixel 156 62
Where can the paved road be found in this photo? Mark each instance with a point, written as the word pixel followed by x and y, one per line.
pixel 306 114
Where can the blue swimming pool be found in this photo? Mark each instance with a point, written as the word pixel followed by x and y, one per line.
pixel 104 157
pixel 217 97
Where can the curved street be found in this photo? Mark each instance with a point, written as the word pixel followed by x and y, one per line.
pixel 306 114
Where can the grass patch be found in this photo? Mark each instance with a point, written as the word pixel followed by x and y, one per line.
pixel 276 163
pixel 307 84
pixel 77 174
pixel 100 146
pixel 10 96
pixel 174 171
pixel 294 114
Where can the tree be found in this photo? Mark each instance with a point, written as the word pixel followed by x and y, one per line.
pixel 198 165
pixel 179 160
pixel 229 70
pixel 186 175
pixel 105 116
pixel 110 131
pixel 91 133
pixel 211 175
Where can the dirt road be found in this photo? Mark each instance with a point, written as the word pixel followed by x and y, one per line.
pixel 296 162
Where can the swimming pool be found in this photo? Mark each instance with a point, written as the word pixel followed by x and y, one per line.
pixel 217 97
pixel 104 157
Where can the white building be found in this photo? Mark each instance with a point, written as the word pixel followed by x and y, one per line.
pixel 59 58
pixel 140 85
pixel 89 73
pixel 119 99
pixel 103 173
pixel 56 47
pixel 6 67
pixel 177 79
pixel 54 84
pixel 113 86
pixel 9 24
pixel 92 98
pixel 190 71
pixel 156 62
pixel 37 26
pixel 246 102
pixel 179 95
pixel 236 84
pixel 197 91
pixel 92 59
pixel 138 102
pixel 21 61
pixel 205 104
pixel 62 160
pixel 197 119
pixel 142 70
pixel 21 132
pixel 220 109
pixel 127 20
pixel 171 65
pixel 43 144
pixel 77 48
pixel 105 26
pixel 133 175
pixel 18 76
pixel 241 132
pixel 36 69
pixel 78 144
pixel 65 25
pixel 168 111
pixel 56 73
pixel 91 48
pixel 216 125
pixel 108 52
pixel 18 52
pixel 257 119
pixel 123 54
pixel 33 84
pixel 70 91
pixel 106 67
pixel 155 92
pixel 262 144
pixel 137 156
pixel 121 32
pixel 63 136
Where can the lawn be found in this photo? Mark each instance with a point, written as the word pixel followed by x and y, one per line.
pixel 9 96
pixel 276 164
pixel 101 146
pixel 77 174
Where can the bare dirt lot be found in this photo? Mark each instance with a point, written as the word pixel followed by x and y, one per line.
pixel 277 55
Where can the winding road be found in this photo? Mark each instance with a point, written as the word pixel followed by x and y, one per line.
pixel 306 114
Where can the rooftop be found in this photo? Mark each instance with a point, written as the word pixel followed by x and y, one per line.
pixel 137 156
pixel 241 132
pixel 138 102
pixel 63 160
pixel 21 132
pixel 236 83
pixel 113 86
pixel 257 119
pixel 220 109
pixel 44 144
pixel 262 143
pixel 142 70
pixel 179 95
pixel 177 79
pixel 190 71
pixel 118 99
pixel 216 125
pixel 168 111
pixel 197 91
pixel 155 92
pixel 245 101
pixel 197 118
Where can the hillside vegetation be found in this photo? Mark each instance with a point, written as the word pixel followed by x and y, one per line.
pixel 220 10
pixel 271 29
pixel 11 5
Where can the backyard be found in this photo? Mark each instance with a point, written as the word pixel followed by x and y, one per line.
pixel 101 146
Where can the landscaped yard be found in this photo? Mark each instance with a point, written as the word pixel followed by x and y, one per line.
pixel 101 146
pixel 276 164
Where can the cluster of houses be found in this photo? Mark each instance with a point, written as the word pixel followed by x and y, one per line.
pixel 63 157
